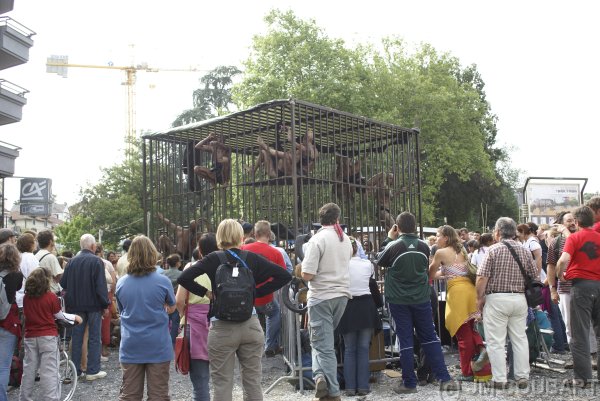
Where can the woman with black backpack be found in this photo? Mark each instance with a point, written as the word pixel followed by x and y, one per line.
pixel 235 329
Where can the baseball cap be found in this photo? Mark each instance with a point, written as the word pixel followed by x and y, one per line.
pixel 247 227
pixel 5 234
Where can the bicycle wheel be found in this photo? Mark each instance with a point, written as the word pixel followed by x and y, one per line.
pixel 291 294
pixel 68 379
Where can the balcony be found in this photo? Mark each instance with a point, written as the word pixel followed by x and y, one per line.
pixel 12 100
pixel 8 154
pixel 15 42
pixel 6 6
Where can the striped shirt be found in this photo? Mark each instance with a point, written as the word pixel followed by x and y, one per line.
pixel 563 287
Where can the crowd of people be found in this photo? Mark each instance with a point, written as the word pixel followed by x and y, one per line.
pixel 151 302
pixel 563 256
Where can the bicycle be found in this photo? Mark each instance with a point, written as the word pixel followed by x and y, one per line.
pixel 67 371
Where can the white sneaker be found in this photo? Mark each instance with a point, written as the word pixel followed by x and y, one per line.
pixel 101 374
pixel 103 359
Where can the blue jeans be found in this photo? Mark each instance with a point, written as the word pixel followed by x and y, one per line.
pixel 356 359
pixel 558 326
pixel 199 375
pixel 273 319
pixel 411 318
pixel 323 319
pixel 94 321
pixel 8 341
pixel 174 325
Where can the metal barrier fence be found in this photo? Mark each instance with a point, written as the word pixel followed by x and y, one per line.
pixel 292 347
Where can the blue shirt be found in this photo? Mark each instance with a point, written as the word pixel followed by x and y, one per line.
pixel 286 259
pixel 145 334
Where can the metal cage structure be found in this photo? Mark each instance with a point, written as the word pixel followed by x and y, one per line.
pixel 279 161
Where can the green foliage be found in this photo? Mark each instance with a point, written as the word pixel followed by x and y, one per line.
pixel 422 87
pixel 69 233
pixel 213 98
pixel 295 59
pixel 114 204
pixel 589 195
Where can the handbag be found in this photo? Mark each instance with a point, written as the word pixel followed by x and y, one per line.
pixel 182 344
pixel 533 287
pixel 471 268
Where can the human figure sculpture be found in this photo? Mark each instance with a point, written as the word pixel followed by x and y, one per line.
pixel 347 172
pixel 186 237
pixel 220 173
pixel 165 246
pixel 307 149
pixel 277 163
pixel 381 186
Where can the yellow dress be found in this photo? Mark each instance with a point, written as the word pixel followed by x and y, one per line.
pixel 461 298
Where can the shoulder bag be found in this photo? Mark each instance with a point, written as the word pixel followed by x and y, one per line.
pixel 182 344
pixel 471 268
pixel 533 287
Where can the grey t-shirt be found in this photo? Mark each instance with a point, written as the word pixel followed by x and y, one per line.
pixel 328 259
pixel 49 262
pixel 173 275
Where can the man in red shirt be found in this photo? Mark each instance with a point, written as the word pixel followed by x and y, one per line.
pixel 582 256
pixel 594 204
pixel 267 305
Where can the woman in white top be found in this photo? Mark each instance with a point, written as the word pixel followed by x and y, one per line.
pixel 357 325
pixel 530 241
pixel 485 241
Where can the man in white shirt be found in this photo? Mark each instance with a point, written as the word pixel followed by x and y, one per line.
pixel 47 259
pixel 326 268
pixel 122 263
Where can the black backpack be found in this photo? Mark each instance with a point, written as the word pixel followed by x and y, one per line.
pixel 235 289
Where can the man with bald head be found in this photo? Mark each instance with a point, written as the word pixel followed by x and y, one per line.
pixel 86 296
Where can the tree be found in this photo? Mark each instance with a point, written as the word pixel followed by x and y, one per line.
pixel 420 88
pixel 589 195
pixel 113 205
pixel 69 233
pixel 213 99
pixel 297 59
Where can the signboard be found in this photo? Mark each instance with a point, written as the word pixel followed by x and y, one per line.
pixel 35 209
pixel 36 194
pixel 545 200
pixel 36 190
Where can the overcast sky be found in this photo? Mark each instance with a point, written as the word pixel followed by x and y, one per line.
pixel 539 60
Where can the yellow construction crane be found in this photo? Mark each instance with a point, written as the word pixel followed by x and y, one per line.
pixel 60 65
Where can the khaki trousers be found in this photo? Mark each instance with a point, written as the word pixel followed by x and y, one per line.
pixel 226 340
pixel 156 375
pixel 502 314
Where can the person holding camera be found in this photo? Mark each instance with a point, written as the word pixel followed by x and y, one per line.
pixel 407 291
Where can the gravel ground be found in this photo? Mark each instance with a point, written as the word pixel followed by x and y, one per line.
pixel 543 384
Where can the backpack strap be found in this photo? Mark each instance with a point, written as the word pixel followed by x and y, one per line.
pixel 43 257
pixel 4 273
pixel 241 258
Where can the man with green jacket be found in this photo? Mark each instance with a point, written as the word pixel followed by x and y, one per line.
pixel 407 291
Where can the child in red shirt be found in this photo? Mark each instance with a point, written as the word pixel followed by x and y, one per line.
pixel 41 307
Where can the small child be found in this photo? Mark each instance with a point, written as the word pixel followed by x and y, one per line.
pixel 173 273
pixel 41 307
